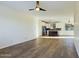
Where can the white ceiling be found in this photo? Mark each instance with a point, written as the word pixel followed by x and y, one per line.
pixel 52 7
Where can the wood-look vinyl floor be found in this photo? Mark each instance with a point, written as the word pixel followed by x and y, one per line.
pixel 41 48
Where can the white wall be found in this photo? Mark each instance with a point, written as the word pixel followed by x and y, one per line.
pixel 37 28
pixel 76 41
pixel 15 27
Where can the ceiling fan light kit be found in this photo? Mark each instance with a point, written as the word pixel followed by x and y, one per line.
pixel 37 9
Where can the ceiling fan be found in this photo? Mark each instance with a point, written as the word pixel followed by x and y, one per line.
pixel 37 7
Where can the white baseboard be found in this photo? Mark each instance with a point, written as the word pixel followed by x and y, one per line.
pixel 76 42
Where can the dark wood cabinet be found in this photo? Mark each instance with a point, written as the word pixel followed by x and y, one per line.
pixel 53 33
pixel 49 32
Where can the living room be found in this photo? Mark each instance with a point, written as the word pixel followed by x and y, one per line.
pixel 26 30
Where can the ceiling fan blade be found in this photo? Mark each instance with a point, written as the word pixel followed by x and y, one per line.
pixel 42 9
pixel 31 9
